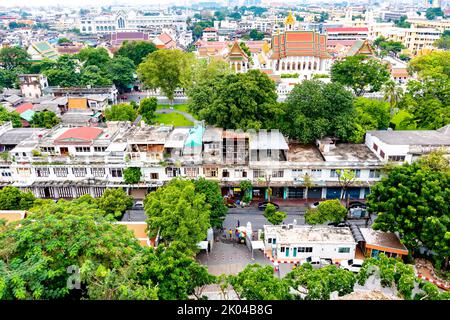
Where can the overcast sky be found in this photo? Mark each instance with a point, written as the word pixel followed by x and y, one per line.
pixel 21 3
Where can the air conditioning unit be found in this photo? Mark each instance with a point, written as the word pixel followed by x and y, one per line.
pixel 284 227
pixel 290 226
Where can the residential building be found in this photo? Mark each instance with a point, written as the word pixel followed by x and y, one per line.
pixel 294 242
pixel 407 145
pixel 32 85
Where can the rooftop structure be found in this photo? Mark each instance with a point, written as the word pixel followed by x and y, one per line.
pixel 302 234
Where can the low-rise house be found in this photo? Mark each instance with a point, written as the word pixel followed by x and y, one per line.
pixel 376 242
pixel 293 242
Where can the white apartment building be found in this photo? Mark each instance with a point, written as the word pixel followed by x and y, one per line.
pixel 130 21
pixel 294 243
pixel 408 145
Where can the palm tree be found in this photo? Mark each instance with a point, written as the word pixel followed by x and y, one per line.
pixel 393 94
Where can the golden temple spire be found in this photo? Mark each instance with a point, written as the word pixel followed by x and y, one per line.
pixel 290 20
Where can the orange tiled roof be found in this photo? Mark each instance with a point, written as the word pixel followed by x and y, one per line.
pixel 299 43
pixel 81 133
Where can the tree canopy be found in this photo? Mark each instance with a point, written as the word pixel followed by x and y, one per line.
pixel 414 200
pixel 274 216
pixel 11 198
pixel 362 74
pixel 178 213
pixel 213 197
pixel 232 101
pixel 137 51
pixel 147 108
pixel 314 110
pixel 115 201
pixel 13 116
pixel 44 119
pixel 167 70
pixel 329 210
pixel 132 175
pixel 121 112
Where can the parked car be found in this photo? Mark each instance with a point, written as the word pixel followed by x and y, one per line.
pixel 263 205
pixel 316 262
pixel 353 265
pixel 339 224
pixel 314 205
pixel 138 205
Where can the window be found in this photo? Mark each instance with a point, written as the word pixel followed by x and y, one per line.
pixel 269 240
pixel 48 149
pixel 333 173
pixel 396 158
pixel 211 172
pixel 116 172
pixel 6 174
pixel 278 174
pixel 282 249
pixel 344 250
pixel 42 172
pixel 60 172
pixel 24 171
pixel 258 174
pixel 297 172
pixel 304 249
pixel 98 172
pixel 357 173
pixel 316 173
pixel 154 176
pixel 240 173
pixel 191 172
pixel 382 154
pixel 375 147
pixel 225 174
pixel 99 149
pixel 79 172
pixel 82 149
pixel 374 173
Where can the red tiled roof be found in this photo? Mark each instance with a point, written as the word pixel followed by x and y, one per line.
pixel 81 133
pixel 209 30
pixel 24 107
pixel 345 43
pixel 299 43
pixel 165 38
pixel 348 29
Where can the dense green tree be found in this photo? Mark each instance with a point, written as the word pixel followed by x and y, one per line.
pixel 427 99
pixel 12 58
pixel 93 76
pixel 11 198
pixel 314 110
pixel 176 274
pixel 8 79
pixel 44 119
pixel 243 100
pixel 14 117
pixel 329 210
pixel 371 114
pixel 35 257
pixel 94 57
pixel 120 112
pixel 361 73
pixel 391 272
pixel 256 35
pixel 432 13
pixel 132 175
pixel 318 284
pixel 121 71
pixel 213 197
pixel 402 23
pixel 274 216
pixel 256 282
pixel 444 41
pixel 414 200
pixel 64 40
pixel 62 72
pixel 137 51
pixel 115 201
pixel 167 70
pixel 178 213
pixel 147 108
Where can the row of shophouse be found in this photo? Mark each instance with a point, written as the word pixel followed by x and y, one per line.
pixel 68 161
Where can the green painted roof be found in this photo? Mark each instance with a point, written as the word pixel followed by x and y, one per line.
pixel 27 115
pixel 195 136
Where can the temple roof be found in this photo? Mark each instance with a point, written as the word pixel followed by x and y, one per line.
pixel 236 53
pixel 299 43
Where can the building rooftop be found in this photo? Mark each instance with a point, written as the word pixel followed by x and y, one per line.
pixel 12 215
pixel 81 133
pixel 414 137
pixel 382 239
pixel 317 234
pixel 16 135
pixel 349 152
pixel 176 138
pixel 148 134
pixel 267 140
pixel 303 153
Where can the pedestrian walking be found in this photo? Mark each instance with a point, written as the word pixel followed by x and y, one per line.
pixel 239 223
pixel 230 232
